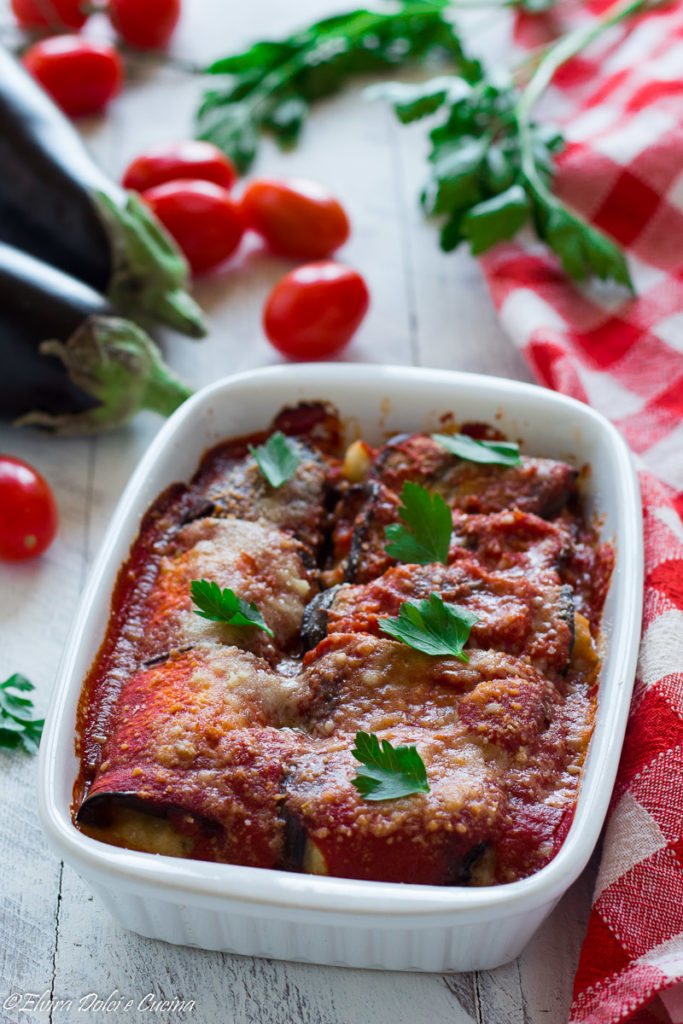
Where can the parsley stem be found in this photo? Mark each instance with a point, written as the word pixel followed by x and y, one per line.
pixel 558 54
pixel 571 44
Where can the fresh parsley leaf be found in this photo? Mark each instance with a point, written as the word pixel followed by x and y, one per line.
pixel 494 453
pixel 495 219
pixel 433 626
pixel 582 249
pixel 413 101
pixel 18 727
pixel 225 606
pixel 389 772
pixel 277 459
pixel 270 87
pixel 429 523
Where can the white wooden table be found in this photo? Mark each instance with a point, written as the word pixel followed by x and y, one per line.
pixel 428 309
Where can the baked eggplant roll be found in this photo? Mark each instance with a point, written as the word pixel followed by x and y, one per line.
pixel 284 684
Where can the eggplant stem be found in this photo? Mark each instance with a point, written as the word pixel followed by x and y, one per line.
pixel 117 363
pixel 149 274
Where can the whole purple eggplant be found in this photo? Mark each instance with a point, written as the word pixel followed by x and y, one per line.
pixel 57 205
pixel 68 361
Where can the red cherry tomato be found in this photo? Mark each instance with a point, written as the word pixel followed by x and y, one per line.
pixel 28 511
pixel 203 218
pixel 173 161
pixel 145 23
pixel 297 218
pixel 314 310
pixel 80 75
pixel 53 13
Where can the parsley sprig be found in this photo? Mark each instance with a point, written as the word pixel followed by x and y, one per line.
pixel 492 164
pixel 18 726
pixel 277 459
pixel 433 626
pixel 272 84
pixel 388 772
pixel 225 606
pixel 494 453
pixel 428 526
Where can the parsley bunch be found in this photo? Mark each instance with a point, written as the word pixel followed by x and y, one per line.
pixel 492 163
pixel 491 173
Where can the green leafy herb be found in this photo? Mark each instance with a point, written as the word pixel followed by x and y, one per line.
pixel 271 85
pixel 18 727
pixel 225 606
pixel 277 459
pixel 492 165
pixel 389 772
pixel 433 626
pixel 494 453
pixel 426 536
pixel 534 6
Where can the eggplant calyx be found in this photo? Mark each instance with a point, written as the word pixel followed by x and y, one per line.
pixel 118 364
pixel 150 275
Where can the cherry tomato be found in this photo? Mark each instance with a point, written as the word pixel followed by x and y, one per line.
pixel 28 511
pixel 314 310
pixel 173 161
pixel 53 13
pixel 148 24
pixel 203 218
pixel 80 75
pixel 297 218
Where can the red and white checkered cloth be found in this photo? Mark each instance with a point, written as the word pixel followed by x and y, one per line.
pixel 621 108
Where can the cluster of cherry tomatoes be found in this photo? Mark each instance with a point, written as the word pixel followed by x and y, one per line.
pixel 82 75
pixel 314 310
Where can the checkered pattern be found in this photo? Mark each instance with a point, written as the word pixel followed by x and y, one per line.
pixel 621 106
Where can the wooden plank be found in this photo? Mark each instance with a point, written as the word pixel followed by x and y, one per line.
pixel 501 997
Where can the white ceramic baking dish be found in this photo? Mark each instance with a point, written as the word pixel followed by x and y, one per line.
pixel 328 920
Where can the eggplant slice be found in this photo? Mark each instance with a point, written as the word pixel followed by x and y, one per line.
pixel 540 486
